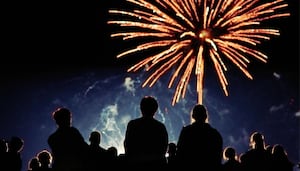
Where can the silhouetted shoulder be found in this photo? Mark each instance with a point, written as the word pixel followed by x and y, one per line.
pixel 146 138
pixel 200 143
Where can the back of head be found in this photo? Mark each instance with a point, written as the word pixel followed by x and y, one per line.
pixel 229 153
pixel 199 113
pixel 278 150
pixel 257 140
pixel 95 137
pixel 15 144
pixel 172 148
pixel 45 157
pixel 112 151
pixel 33 164
pixel 62 117
pixel 148 106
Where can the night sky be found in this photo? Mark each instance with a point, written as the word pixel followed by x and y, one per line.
pixel 54 53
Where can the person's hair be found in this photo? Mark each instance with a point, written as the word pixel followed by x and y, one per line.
pixel 148 106
pixel 199 113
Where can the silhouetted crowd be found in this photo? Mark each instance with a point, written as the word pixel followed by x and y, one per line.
pixel 147 147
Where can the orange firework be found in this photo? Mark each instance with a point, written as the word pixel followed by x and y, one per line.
pixel 186 33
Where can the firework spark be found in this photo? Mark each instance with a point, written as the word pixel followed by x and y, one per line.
pixel 187 33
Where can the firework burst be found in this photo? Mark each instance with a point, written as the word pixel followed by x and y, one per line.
pixel 188 33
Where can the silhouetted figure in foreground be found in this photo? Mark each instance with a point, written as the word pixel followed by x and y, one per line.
pixel 97 155
pixel 231 163
pixel 257 157
pixel 146 138
pixel 14 159
pixel 200 145
pixel 69 150
pixel 280 160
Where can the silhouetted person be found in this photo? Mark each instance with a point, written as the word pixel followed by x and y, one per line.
pixel 113 159
pixel 97 155
pixel 45 159
pixel 257 157
pixel 146 138
pixel 34 164
pixel 199 144
pixel 280 160
pixel 69 150
pixel 231 162
pixel 14 159
pixel 171 156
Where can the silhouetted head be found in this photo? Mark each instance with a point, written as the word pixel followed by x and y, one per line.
pixel 148 106
pixel 199 113
pixel 257 140
pixel 62 117
pixel 45 158
pixel 229 153
pixel 112 151
pixel 95 137
pixel 15 144
pixel 172 148
pixel 278 151
pixel 33 164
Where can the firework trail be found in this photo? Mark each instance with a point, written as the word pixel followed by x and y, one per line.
pixel 186 34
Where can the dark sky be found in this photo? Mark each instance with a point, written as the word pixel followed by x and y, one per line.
pixel 46 35
pixel 42 35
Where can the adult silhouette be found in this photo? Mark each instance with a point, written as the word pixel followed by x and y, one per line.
pixel 199 144
pixel 280 159
pixel 231 163
pixel 97 155
pixel 67 145
pixel 14 159
pixel 257 157
pixel 146 138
